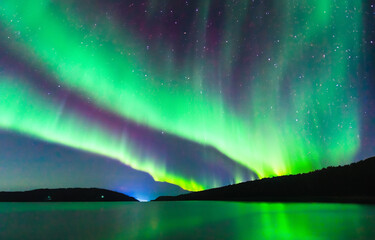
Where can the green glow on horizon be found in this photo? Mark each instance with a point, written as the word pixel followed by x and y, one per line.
pixel 272 135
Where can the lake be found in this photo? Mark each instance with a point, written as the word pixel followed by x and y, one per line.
pixel 186 220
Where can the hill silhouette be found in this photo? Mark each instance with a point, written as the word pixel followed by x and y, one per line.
pixel 65 195
pixel 350 183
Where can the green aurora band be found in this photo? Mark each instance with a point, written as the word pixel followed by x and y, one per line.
pixel 25 111
pixel 315 124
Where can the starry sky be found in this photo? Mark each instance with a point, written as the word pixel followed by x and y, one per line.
pixel 161 97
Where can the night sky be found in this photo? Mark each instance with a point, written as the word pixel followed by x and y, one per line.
pixel 157 97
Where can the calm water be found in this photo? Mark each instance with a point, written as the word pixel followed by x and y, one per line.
pixel 186 220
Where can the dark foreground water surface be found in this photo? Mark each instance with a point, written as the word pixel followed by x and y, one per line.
pixel 186 220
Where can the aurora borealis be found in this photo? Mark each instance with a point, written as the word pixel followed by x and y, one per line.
pixel 197 94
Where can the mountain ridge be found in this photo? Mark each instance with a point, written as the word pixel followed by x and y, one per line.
pixel 352 183
pixel 65 195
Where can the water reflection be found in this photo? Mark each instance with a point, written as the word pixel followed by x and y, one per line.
pixel 186 220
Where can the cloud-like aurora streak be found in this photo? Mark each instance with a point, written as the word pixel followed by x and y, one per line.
pixel 26 112
pixel 297 113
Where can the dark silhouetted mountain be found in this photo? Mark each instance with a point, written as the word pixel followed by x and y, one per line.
pixel 65 195
pixel 349 183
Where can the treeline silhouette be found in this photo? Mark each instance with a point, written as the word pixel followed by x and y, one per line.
pixel 349 183
pixel 65 195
